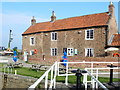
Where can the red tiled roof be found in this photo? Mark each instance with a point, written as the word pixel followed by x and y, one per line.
pixel 69 23
pixel 116 40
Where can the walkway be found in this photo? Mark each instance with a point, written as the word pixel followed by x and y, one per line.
pixel 10 60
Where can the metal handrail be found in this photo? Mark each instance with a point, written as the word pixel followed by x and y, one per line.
pixel 56 67
pixel 91 74
pixel 84 62
pixel 3 61
pixel 45 75
pixel 101 85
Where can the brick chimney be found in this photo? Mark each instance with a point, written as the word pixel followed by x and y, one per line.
pixel 111 9
pixel 33 21
pixel 53 17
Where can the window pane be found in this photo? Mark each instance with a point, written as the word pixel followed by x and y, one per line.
pixel 87 33
pixel 91 34
pixel 52 52
pixel 88 52
pixel 55 51
pixel 64 50
pixel 68 51
pixel 32 40
pixel 52 36
pixel 55 36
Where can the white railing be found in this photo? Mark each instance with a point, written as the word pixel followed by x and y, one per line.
pixel 56 69
pixel 96 74
pixel 93 80
pixel 8 69
pixel 3 61
pixel 67 65
pixel 53 70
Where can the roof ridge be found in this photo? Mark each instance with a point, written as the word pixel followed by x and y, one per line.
pixel 84 15
pixel 73 17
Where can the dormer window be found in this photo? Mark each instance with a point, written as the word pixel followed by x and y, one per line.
pixel 89 34
pixel 54 36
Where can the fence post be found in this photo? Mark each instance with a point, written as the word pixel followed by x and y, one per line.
pixel 91 72
pixel 85 79
pixel 46 81
pixel 96 78
pixel 66 81
pixel 52 73
pixel 58 67
pixel 55 74
pixel 15 72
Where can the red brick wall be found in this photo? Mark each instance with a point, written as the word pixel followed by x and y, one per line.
pixel 50 61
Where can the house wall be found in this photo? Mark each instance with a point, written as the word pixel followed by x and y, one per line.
pixel 112 27
pixel 66 39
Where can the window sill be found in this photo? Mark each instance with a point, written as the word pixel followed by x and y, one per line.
pixel 32 45
pixel 53 40
pixel 89 39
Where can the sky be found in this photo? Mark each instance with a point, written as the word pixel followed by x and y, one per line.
pixel 16 16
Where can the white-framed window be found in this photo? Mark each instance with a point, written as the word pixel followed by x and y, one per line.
pixel 89 52
pixel 32 52
pixel 53 51
pixel 89 34
pixel 53 36
pixel 70 52
pixel 32 41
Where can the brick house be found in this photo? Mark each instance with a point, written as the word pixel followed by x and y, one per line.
pixel 81 36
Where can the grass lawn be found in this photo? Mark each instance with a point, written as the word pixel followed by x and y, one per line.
pixel 72 79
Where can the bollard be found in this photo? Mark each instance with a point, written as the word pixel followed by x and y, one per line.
pixel 5 80
pixel 15 72
pixel 111 73
pixel 78 83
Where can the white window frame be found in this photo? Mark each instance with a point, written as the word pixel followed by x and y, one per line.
pixel 89 34
pixel 31 41
pixel 53 51
pixel 86 51
pixel 53 37
pixel 71 49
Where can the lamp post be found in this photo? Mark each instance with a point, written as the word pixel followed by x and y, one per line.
pixel 10 39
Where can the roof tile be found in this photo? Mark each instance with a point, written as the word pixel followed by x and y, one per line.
pixel 116 40
pixel 69 23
